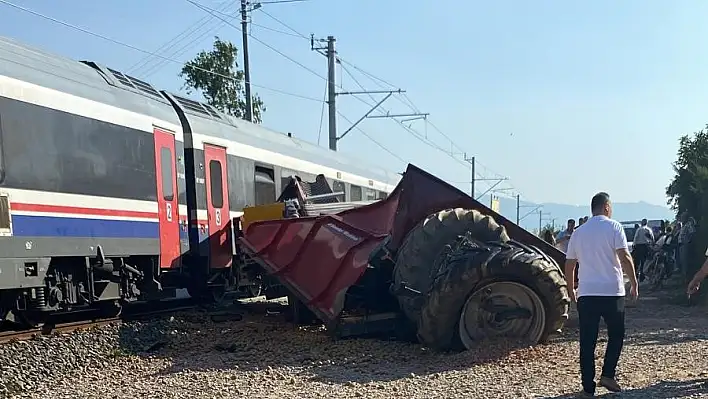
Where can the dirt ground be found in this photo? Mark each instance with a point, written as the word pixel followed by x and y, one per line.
pixel 665 356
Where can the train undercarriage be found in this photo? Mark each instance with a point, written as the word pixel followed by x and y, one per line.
pixel 104 285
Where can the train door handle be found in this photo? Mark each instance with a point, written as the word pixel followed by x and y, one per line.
pixel 168 211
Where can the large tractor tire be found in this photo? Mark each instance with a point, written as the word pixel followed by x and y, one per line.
pixel 492 290
pixel 415 264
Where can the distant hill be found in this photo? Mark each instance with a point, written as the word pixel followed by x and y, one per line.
pixel 562 212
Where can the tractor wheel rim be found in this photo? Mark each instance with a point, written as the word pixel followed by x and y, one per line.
pixel 477 324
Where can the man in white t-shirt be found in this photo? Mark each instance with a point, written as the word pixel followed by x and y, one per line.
pixel 600 245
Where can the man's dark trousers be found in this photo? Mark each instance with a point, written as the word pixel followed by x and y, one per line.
pixel 641 253
pixel 590 310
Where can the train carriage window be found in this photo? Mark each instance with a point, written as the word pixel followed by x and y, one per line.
pixel 340 187
pixel 265 186
pixel 168 189
pixel 382 195
pixel 355 193
pixel 215 184
pixel 370 194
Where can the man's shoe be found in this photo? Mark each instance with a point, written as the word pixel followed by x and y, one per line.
pixel 610 384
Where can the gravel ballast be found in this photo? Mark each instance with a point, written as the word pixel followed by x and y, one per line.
pixel 190 356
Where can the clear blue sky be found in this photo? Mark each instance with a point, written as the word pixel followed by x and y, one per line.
pixel 562 97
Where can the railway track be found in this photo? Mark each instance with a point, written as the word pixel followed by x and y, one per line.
pixel 137 312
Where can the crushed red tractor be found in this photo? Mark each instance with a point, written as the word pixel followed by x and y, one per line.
pixel 428 262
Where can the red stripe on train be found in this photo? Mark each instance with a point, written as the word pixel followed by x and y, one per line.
pixel 19 206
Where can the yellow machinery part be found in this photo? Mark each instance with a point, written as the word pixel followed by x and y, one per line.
pixel 262 212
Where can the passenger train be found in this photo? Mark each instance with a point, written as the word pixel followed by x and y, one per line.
pixel 112 190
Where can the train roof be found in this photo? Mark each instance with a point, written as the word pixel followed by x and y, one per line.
pixel 82 79
pixel 210 122
pixel 101 84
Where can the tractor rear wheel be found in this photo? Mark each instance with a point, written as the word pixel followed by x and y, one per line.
pixel 488 290
pixel 415 263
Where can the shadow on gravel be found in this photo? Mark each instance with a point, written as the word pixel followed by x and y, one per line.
pixel 195 342
pixel 660 390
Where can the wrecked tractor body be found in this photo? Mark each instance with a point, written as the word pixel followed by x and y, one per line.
pixel 428 260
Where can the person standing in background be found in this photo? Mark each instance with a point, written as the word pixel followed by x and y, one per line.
pixel 643 240
pixel 677 242
pixel 685 236
pixel 564 236
pixel 601 247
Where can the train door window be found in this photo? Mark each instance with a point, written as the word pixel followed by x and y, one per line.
pixel 340 187
pixel 168 189
pixel 265 186
pixel 215 184
pixel 355 193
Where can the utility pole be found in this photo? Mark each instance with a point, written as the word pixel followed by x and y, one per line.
pixel 518 208
pixel 332 60
pixel 331 92
pixel 472 174
pixel 540 221
pixel 246 68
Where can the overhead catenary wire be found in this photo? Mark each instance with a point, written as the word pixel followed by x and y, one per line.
pixel 372 76
pixel 165 47
pixel 138 49
pixel 386 84
pixel 295 32
pixel 324 102
pixel 408 129
pixel 151 70
pixel 180 51
pixel 268 28
pixel 220 15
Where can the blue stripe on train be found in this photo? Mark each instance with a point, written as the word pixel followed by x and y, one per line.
pixel 51 226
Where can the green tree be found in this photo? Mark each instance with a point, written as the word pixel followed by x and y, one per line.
pixel 222 86
pixel 688 191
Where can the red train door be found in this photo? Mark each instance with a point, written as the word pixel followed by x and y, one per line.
pixel 219 219
pixel 167 205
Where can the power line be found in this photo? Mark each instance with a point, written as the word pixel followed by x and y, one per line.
pixel 372 139
pixel 195 27
pixel 268 28
pixel 284 24
pixel 180 51
pixel 324 102
pixel 408 129
pixel 408 102
pixel 215 12
pixel 151 70
pixel 130 46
